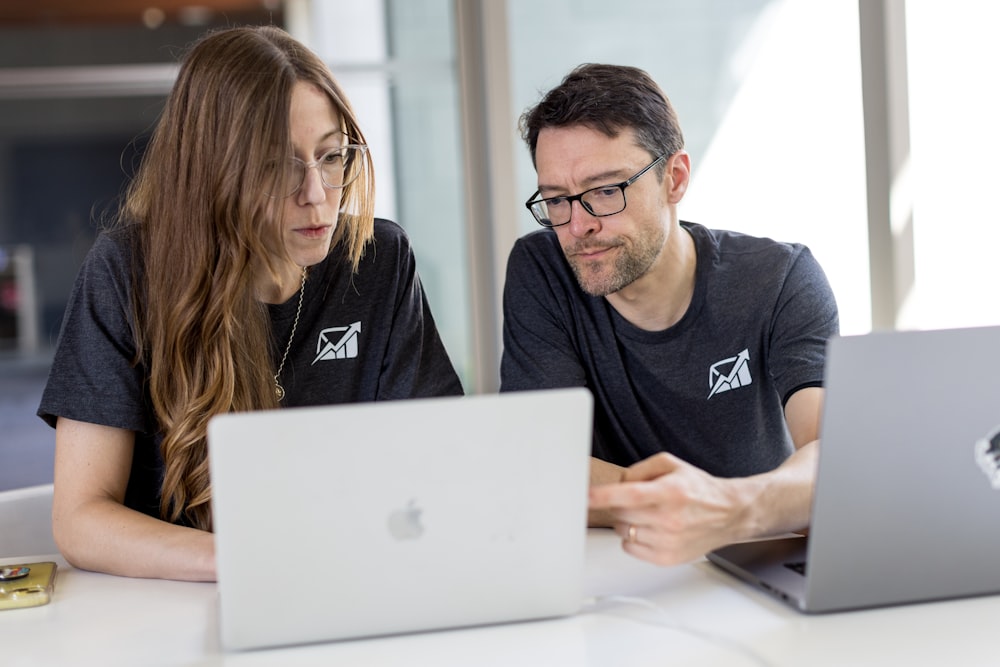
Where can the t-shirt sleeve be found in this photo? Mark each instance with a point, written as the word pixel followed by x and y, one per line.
pixel 93 377
pixel 416 363
pixel 539 350
pixel 805 318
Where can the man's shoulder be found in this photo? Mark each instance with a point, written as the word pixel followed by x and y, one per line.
pixel 725 243
pixel 540 246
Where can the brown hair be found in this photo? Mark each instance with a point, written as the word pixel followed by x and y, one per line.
pixel 205 226
pixel 608 98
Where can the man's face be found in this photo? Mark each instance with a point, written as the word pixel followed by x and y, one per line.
pixel 607 253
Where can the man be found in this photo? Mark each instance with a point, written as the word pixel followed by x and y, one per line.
pixel 704 349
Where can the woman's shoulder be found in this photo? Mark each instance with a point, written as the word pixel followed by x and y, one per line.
pixel 387 231
pixel 389 240
pixel 113 248
pixel 388 248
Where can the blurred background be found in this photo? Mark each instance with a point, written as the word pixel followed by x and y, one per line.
pixel 858 128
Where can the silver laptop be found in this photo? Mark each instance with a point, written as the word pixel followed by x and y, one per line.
pixel 370 519
pixel 907 501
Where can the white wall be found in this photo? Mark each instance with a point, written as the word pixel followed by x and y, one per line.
pixel 787 161
pixel 955 147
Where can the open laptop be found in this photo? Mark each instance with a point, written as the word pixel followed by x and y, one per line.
pixel 356 520
pixel 907 500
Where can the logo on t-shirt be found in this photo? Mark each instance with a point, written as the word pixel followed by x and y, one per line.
pixel 338 343
pixel 731 373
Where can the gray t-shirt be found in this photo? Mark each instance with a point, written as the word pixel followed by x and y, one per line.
pixel 711 388
pixel 363 337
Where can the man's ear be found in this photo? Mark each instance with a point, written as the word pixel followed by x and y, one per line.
pixel 678 175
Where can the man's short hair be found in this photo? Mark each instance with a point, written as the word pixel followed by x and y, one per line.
pixel 608 99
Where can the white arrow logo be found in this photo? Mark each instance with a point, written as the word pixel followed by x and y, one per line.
pixel 738 376
pixel 338 343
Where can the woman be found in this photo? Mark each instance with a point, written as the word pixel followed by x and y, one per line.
pixel 245 272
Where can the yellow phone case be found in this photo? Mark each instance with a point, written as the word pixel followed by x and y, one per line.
pixel 33 588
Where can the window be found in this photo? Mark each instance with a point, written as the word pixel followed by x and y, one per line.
pixel 769 97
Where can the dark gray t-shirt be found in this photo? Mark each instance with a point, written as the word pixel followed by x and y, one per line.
pixel 711 388
pixel 363 337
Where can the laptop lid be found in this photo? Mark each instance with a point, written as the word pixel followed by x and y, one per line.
pixel 908 491
pixel 370 519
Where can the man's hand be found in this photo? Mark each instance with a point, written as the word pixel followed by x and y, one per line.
pixel 602 472
pixel 668 511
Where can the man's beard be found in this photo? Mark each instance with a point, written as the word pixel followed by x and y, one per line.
pixel 632 262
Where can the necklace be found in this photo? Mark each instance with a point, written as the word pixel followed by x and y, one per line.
pixel 279 391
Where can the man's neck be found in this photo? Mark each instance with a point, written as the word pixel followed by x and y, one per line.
pixel 659 299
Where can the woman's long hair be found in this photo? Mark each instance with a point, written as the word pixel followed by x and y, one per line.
pixel 205 232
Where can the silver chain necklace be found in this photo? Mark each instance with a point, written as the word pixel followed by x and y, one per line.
pixel 279 391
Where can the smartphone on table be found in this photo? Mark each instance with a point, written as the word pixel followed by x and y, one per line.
pixel 26 584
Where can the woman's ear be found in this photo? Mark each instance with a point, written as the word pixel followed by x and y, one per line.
pixel 678 175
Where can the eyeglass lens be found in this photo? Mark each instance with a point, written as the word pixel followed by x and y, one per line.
pixel 337 168
pixel 555 211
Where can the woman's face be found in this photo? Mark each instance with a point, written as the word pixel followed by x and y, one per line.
pixel 310 213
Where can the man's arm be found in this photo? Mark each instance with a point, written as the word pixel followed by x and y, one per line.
pixel 668 511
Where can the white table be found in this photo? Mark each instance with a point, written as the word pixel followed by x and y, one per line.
pixel 639 614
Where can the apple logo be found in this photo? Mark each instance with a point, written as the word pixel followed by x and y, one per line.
pixel 988 456
pixel 404 523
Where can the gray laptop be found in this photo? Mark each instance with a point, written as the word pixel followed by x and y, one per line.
pixel 907 501
pixel 381 518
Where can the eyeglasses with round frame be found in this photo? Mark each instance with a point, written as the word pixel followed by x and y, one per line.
pixel 599 202
pixel 338 168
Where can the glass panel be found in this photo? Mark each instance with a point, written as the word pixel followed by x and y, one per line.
pixel 954 140
pixel 769 97
pixel 397 64
pixel 66 149
pixel 428 170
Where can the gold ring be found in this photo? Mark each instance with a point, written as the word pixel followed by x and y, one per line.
pixel 632 530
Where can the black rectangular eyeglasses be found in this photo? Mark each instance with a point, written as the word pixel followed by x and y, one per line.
pixel 599 202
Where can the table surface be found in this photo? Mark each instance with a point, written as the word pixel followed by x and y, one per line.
pixel 635 614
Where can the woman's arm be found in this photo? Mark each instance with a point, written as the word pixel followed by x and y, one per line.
pixel 92 527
